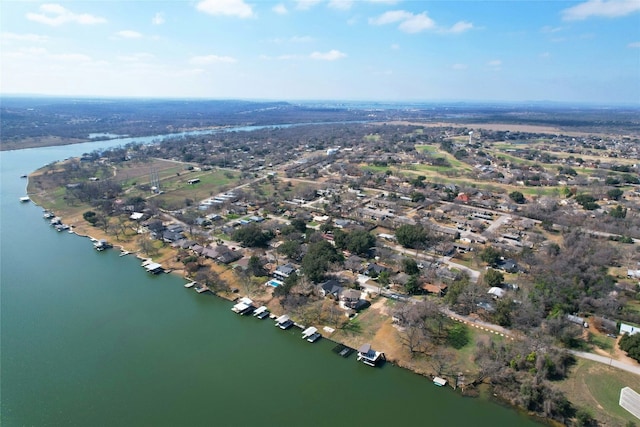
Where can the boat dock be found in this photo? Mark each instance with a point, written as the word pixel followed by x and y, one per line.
pixel 153 267
pixel 342 350
pixel 261 312
pixel 439 381
pixel 369 356
pixel 190 284
pixel 308 332
pixel 244 306
pixel 284 322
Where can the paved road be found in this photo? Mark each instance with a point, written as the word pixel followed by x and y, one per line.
pixel 633 368
pixel 474 275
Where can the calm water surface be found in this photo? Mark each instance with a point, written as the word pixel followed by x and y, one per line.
pixel 90 339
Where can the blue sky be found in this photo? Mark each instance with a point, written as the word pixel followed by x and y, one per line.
pixel 579 51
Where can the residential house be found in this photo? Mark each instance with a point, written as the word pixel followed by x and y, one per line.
pixel 330 288
pixel 628 329
pixel 350 297
pixel 508 265
pixel 284 271
pixel 439 289
pixel 374 270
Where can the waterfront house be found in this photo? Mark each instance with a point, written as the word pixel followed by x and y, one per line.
pixel 330 288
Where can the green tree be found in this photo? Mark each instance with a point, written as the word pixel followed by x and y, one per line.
pixel 252 235
pixel 91 217
pixel 317 259
pixel 490 255
pixel 287 285
pixel 290 248
pixel 410 266
pixel 458 336
pixel 254 266
pixel 587 201
pixel 299 224
pixel 384 278
pixel 631 344
pixel 618 212
pixel 412 236
pixel 360 242
pixel 412 286
pixel 493 278
pixel 615 193
pixel 517 197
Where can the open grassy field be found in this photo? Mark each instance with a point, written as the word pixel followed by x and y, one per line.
pixel 596 387
pixel 177 188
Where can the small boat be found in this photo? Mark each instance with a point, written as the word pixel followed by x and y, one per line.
pixel 25 199
pixel 123 253
pixel 23 176
pixel 189 285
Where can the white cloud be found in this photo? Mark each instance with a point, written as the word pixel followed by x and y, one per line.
pixel 211 59
pixel 306 4
pixel 136 57
pixel 634 45
pixel 23 37
pixel 459 66
pixel 332 55
pixel 601 8
pixel 293 39
pixel 280 9
pixel 544 55
pixel 285 57
pixel 417 23
pixel 409 22
pixel 391 2
pixel 158 19
pixel 340 4
pixel 395 46
pixel 390 17
pixel 128 34
pixel 547 29
pixel 301 39
pixel 494 63
pixel 237 8
pixel 459 27
pixel 55 15
pixel 71 57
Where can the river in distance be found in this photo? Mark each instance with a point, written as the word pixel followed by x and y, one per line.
pixel 90 339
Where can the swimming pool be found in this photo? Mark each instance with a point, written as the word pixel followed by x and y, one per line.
pixel 274 283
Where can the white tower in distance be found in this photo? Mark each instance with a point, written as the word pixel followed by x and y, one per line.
pixel 470 136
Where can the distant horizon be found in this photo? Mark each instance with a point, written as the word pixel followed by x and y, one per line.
pixel 453 102
pixel 575 52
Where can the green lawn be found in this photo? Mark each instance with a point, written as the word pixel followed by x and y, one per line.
pixel 596 388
